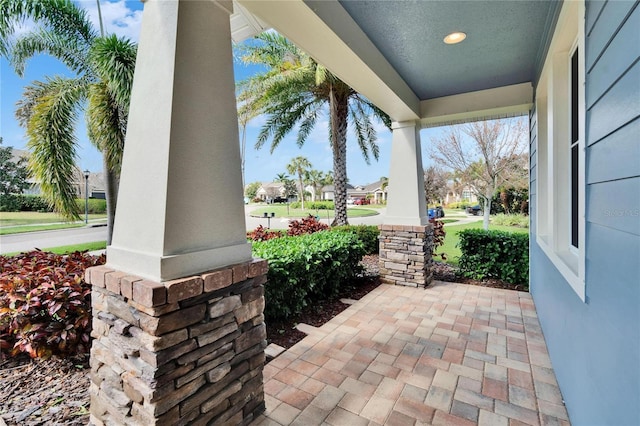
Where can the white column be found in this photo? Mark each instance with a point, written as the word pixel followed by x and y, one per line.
pixel 405 194
pixel 180 208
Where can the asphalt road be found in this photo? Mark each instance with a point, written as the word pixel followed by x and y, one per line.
pixel 47 239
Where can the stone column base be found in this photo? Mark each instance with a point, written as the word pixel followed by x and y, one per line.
pixel 187 351
pixel 405 254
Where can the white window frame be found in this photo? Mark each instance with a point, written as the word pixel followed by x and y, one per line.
pixel 553 185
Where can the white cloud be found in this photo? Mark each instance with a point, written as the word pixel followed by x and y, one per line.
pixel 118 17
pixel 25 27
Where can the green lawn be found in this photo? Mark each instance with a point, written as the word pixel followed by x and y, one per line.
pixel 451 239
pixel 282 211
pixel 96 245
pixel 17 222
pixel 454 213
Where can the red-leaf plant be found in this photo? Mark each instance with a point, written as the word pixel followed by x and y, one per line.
pixel 438 238
pixel 307 225
pixel 45 304
pixel 263 234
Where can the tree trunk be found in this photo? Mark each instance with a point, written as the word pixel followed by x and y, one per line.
pixel 111 183
pixel 486 211
pixel 338 106
pixel 301 190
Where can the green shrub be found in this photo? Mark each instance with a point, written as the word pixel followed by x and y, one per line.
pixel 367 234
pixel 460 205
pixel 307 268
pixel 96 205
pixel 313 205
pixel 45 304
pixel 494 254
pixel 518 220
pixel 23 203
pixel 320 205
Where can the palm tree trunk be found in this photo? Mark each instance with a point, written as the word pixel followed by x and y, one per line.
pixel 301 188
pixel 111 183
pixel 338 106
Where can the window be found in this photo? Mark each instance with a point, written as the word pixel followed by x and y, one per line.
pixel 560 110
pixel 575 145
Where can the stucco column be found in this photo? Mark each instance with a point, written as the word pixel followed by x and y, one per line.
pixel 405 194
pixel 180 209
pixel 406 237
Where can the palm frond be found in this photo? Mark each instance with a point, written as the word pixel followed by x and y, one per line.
pixel 52 142
pixel 105 124
pixel 360 132
pixel 114 61
pixel 69 51
pixel 63 17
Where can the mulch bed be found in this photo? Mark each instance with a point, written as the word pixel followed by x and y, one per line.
pixel 283 332
pixel 44 392
pixel 56 391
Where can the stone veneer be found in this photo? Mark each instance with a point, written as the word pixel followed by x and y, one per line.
pixel 187 351
pixel 405 254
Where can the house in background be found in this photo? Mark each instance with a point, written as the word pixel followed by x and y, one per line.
pixel 95 180
pixel 34 186
pixel 372 191
pixel 466 194
pixel 270 190
pixel 573 67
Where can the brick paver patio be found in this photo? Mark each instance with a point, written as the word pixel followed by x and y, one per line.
pixel 451 354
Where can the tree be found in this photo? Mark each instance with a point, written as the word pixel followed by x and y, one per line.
pixel 482 154
pixel 252 190
pixel 13 174
pixel 293 92
pixel 299 166
pixel 289 184
pixel 104 67
pixel 316 179
pixel 435 184
pixel 384 183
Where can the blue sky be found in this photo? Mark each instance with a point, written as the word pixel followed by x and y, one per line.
pixel 124 18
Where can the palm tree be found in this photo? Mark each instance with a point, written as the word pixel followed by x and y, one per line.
pixel 384 183
pixel 316 179
pixel 299 166
pixel 282 177
pixel 49 109
pixel 293 92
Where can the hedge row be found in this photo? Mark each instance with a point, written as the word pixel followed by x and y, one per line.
pixel 36 203
pixel 494 254
pixel 23 203
pixel 96 205
pixel 313 205
pixel 367 234
pixel 307 268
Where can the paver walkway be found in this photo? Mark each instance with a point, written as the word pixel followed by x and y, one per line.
pixel 451 354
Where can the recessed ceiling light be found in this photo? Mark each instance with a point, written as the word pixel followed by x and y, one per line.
pixel 454 38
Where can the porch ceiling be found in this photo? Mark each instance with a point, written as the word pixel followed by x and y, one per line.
pixel 393 51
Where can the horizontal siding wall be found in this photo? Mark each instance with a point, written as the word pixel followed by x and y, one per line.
pixel 595 346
